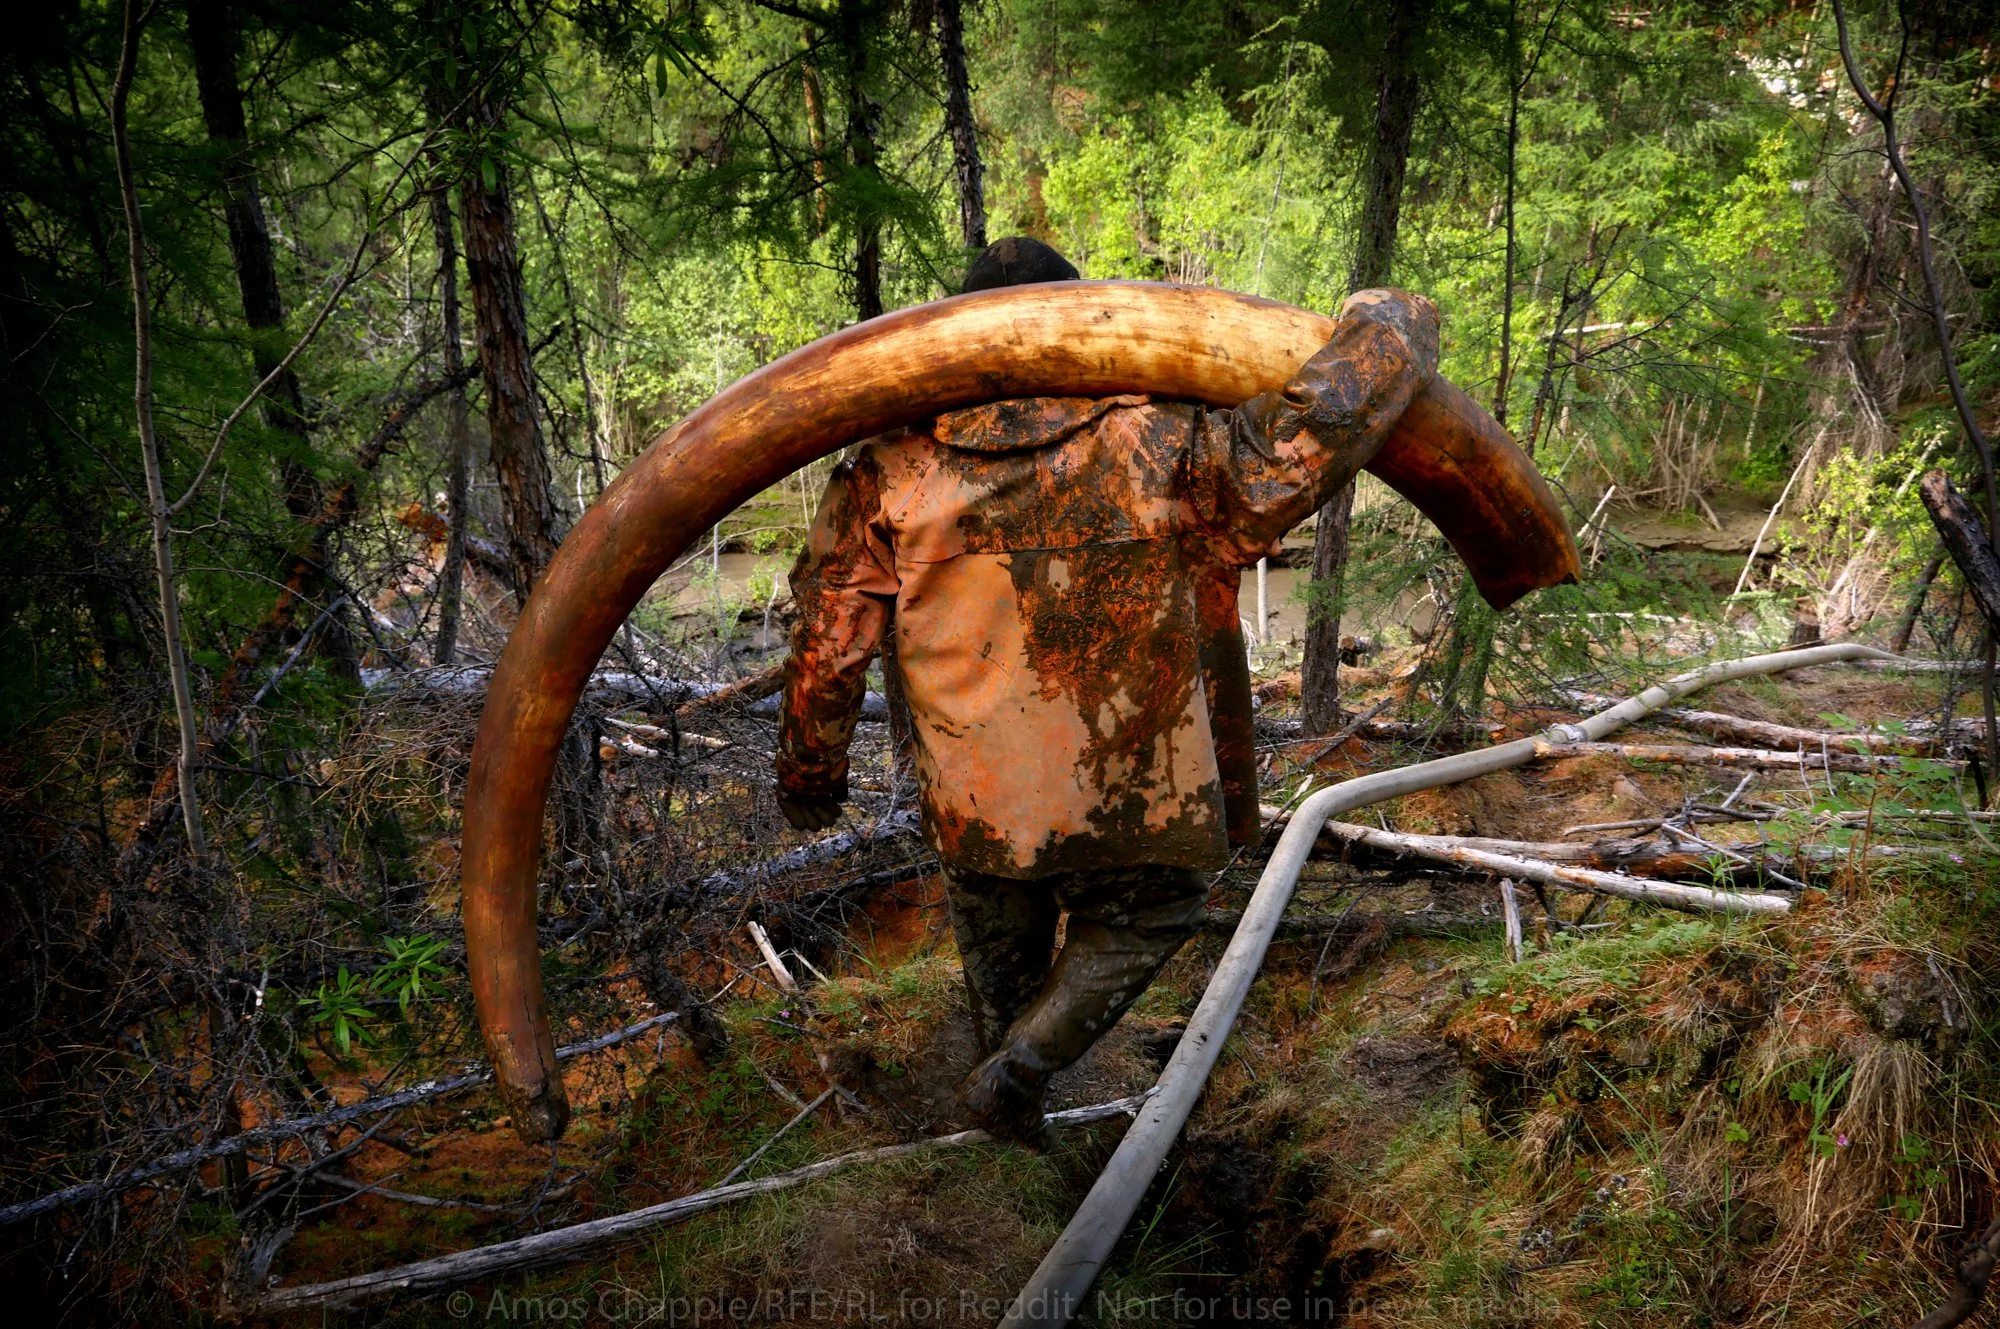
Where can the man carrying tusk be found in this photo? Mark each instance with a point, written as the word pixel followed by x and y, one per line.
pixel 1063 577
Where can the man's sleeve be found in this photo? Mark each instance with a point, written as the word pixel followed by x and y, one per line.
pixel 1258 470
pixel 844 586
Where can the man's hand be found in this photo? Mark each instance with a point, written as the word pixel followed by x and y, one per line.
pixel 809 812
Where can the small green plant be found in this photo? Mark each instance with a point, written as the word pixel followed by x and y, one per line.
pixel 1918 1161
pixel 342 1009
pixel 410 974
pixel 412 964
pixel 1819 1095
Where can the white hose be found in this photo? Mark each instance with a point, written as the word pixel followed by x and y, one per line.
pixel 1055 1292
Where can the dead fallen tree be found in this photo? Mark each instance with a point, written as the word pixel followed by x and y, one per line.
pixel 1672 895
pixel 1645 857
pixel 756 695
pixel 567 1244
pixel 1687 754
pixel 1766 734
pixel 816 853
pixel 292 1128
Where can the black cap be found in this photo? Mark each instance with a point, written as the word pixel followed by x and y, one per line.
pixel 1016 261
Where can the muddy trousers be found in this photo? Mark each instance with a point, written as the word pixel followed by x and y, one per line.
pixel 1038 1016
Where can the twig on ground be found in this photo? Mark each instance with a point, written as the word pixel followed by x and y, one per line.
pixel 770 953
pixel 1347 731
pixel 780 1134
pixel 1510 913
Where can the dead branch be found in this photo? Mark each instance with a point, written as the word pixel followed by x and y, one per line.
pixel 1683 754
pixel 1965 537
pixel 1650 858
pixel 816 853
pixel 1451 849
pixel 564 1245
pixel 294 1127
pixel 1347 731
pixel 765 683
pixel 1766 734
pixel 609 687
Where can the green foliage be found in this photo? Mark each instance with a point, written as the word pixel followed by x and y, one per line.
pixel 411 971
pixel 342 1010
pixel 408 974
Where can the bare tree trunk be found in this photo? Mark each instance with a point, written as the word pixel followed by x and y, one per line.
pixel 142 400
pixel 458 436
pixel 1388 158
pixel 958 121
pixel 212 41
pixel 856 18
pixel 499 303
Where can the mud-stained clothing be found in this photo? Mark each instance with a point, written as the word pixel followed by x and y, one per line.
pixel 1063 577
pixel 1124 925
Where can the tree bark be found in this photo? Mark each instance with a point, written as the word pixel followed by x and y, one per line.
pixel 1388 158
pixel 959 124
pixel 213 43
pixel 1966 540
pixel 500 309
pixel 457 433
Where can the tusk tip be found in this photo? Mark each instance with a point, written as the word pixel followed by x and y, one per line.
pixel 540 1115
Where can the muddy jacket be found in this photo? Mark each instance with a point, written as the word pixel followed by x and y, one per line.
pixel 1063 578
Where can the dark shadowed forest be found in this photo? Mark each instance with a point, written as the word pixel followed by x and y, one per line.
pixel 322 327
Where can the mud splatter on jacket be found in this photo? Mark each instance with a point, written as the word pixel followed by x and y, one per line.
pixel 1063 574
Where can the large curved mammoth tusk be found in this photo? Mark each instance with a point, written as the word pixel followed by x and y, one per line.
pixel 1062 339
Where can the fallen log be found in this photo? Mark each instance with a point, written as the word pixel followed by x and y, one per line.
pixel 1767 734
pixel 608 687
pixel 1684 754
pixel 1650 858
pixel 291 1128
pixel 815 853
pixel 565 1245
pixel 1672 895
